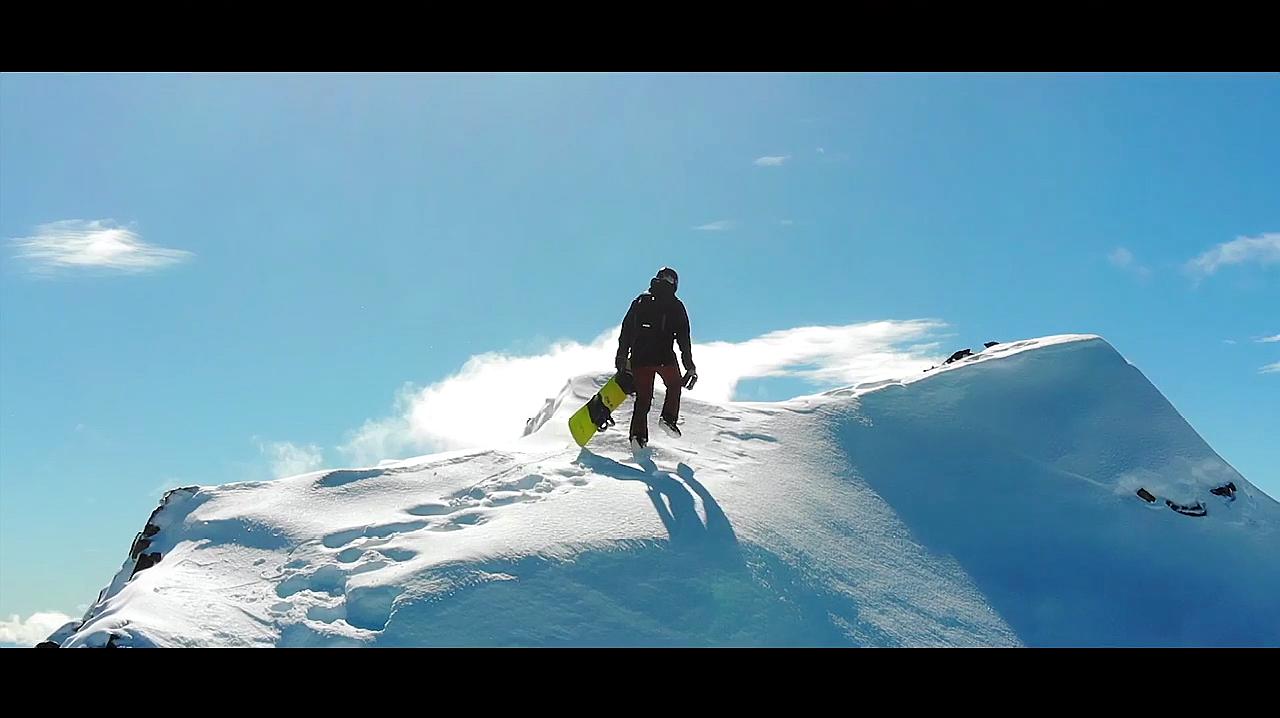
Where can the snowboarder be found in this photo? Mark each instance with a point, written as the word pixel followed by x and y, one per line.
pixel 654 319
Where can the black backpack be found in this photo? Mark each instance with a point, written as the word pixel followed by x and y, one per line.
pixel 653 339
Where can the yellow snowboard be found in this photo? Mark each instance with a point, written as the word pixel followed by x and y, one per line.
pixel 595 414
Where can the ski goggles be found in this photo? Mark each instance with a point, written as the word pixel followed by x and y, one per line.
pixel 668 279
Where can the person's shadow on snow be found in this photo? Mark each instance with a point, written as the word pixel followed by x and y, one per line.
pixel 673 500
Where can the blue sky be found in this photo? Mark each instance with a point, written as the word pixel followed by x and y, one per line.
pixel 213 278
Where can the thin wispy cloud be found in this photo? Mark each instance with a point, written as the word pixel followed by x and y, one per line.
pixel 772 160
pixel 1228 341
pixel 494 393
pixel 288 459
pixel 1263 250
pixel 34 629
pixel 1122 258
pixel 1268 340
pixel 77 245
pixel 1270 369
pixel 828 156
pixel 719 225
pixel 786 222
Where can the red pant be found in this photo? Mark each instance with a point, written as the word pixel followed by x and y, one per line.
pixel 644 396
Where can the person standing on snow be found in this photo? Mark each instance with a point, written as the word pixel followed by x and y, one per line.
pixel 653 321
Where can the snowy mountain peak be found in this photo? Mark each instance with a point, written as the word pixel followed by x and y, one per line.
pixel 994 500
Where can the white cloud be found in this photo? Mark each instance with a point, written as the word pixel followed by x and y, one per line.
pixel 33 630
pixel 772 161
pixel 493 394
pixel 719 225
pixel 77 244
pixel 1124 259
pixel 786 222
pixel 397 435
pixel 838 355
pixel 1267 340
pixel 1263 249
pixel 1270 368
pixel 1228 341
pixel 289 459
pixel 1120 257
pixel 490 397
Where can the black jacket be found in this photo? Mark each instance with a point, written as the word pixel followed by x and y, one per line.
pixel 654 319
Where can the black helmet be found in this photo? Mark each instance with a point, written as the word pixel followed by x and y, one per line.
pixel 669 275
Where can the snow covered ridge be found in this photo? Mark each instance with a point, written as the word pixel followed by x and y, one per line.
pixel 991 501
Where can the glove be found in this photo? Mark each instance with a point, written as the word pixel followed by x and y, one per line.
pixel 690 378
pixel 620 363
